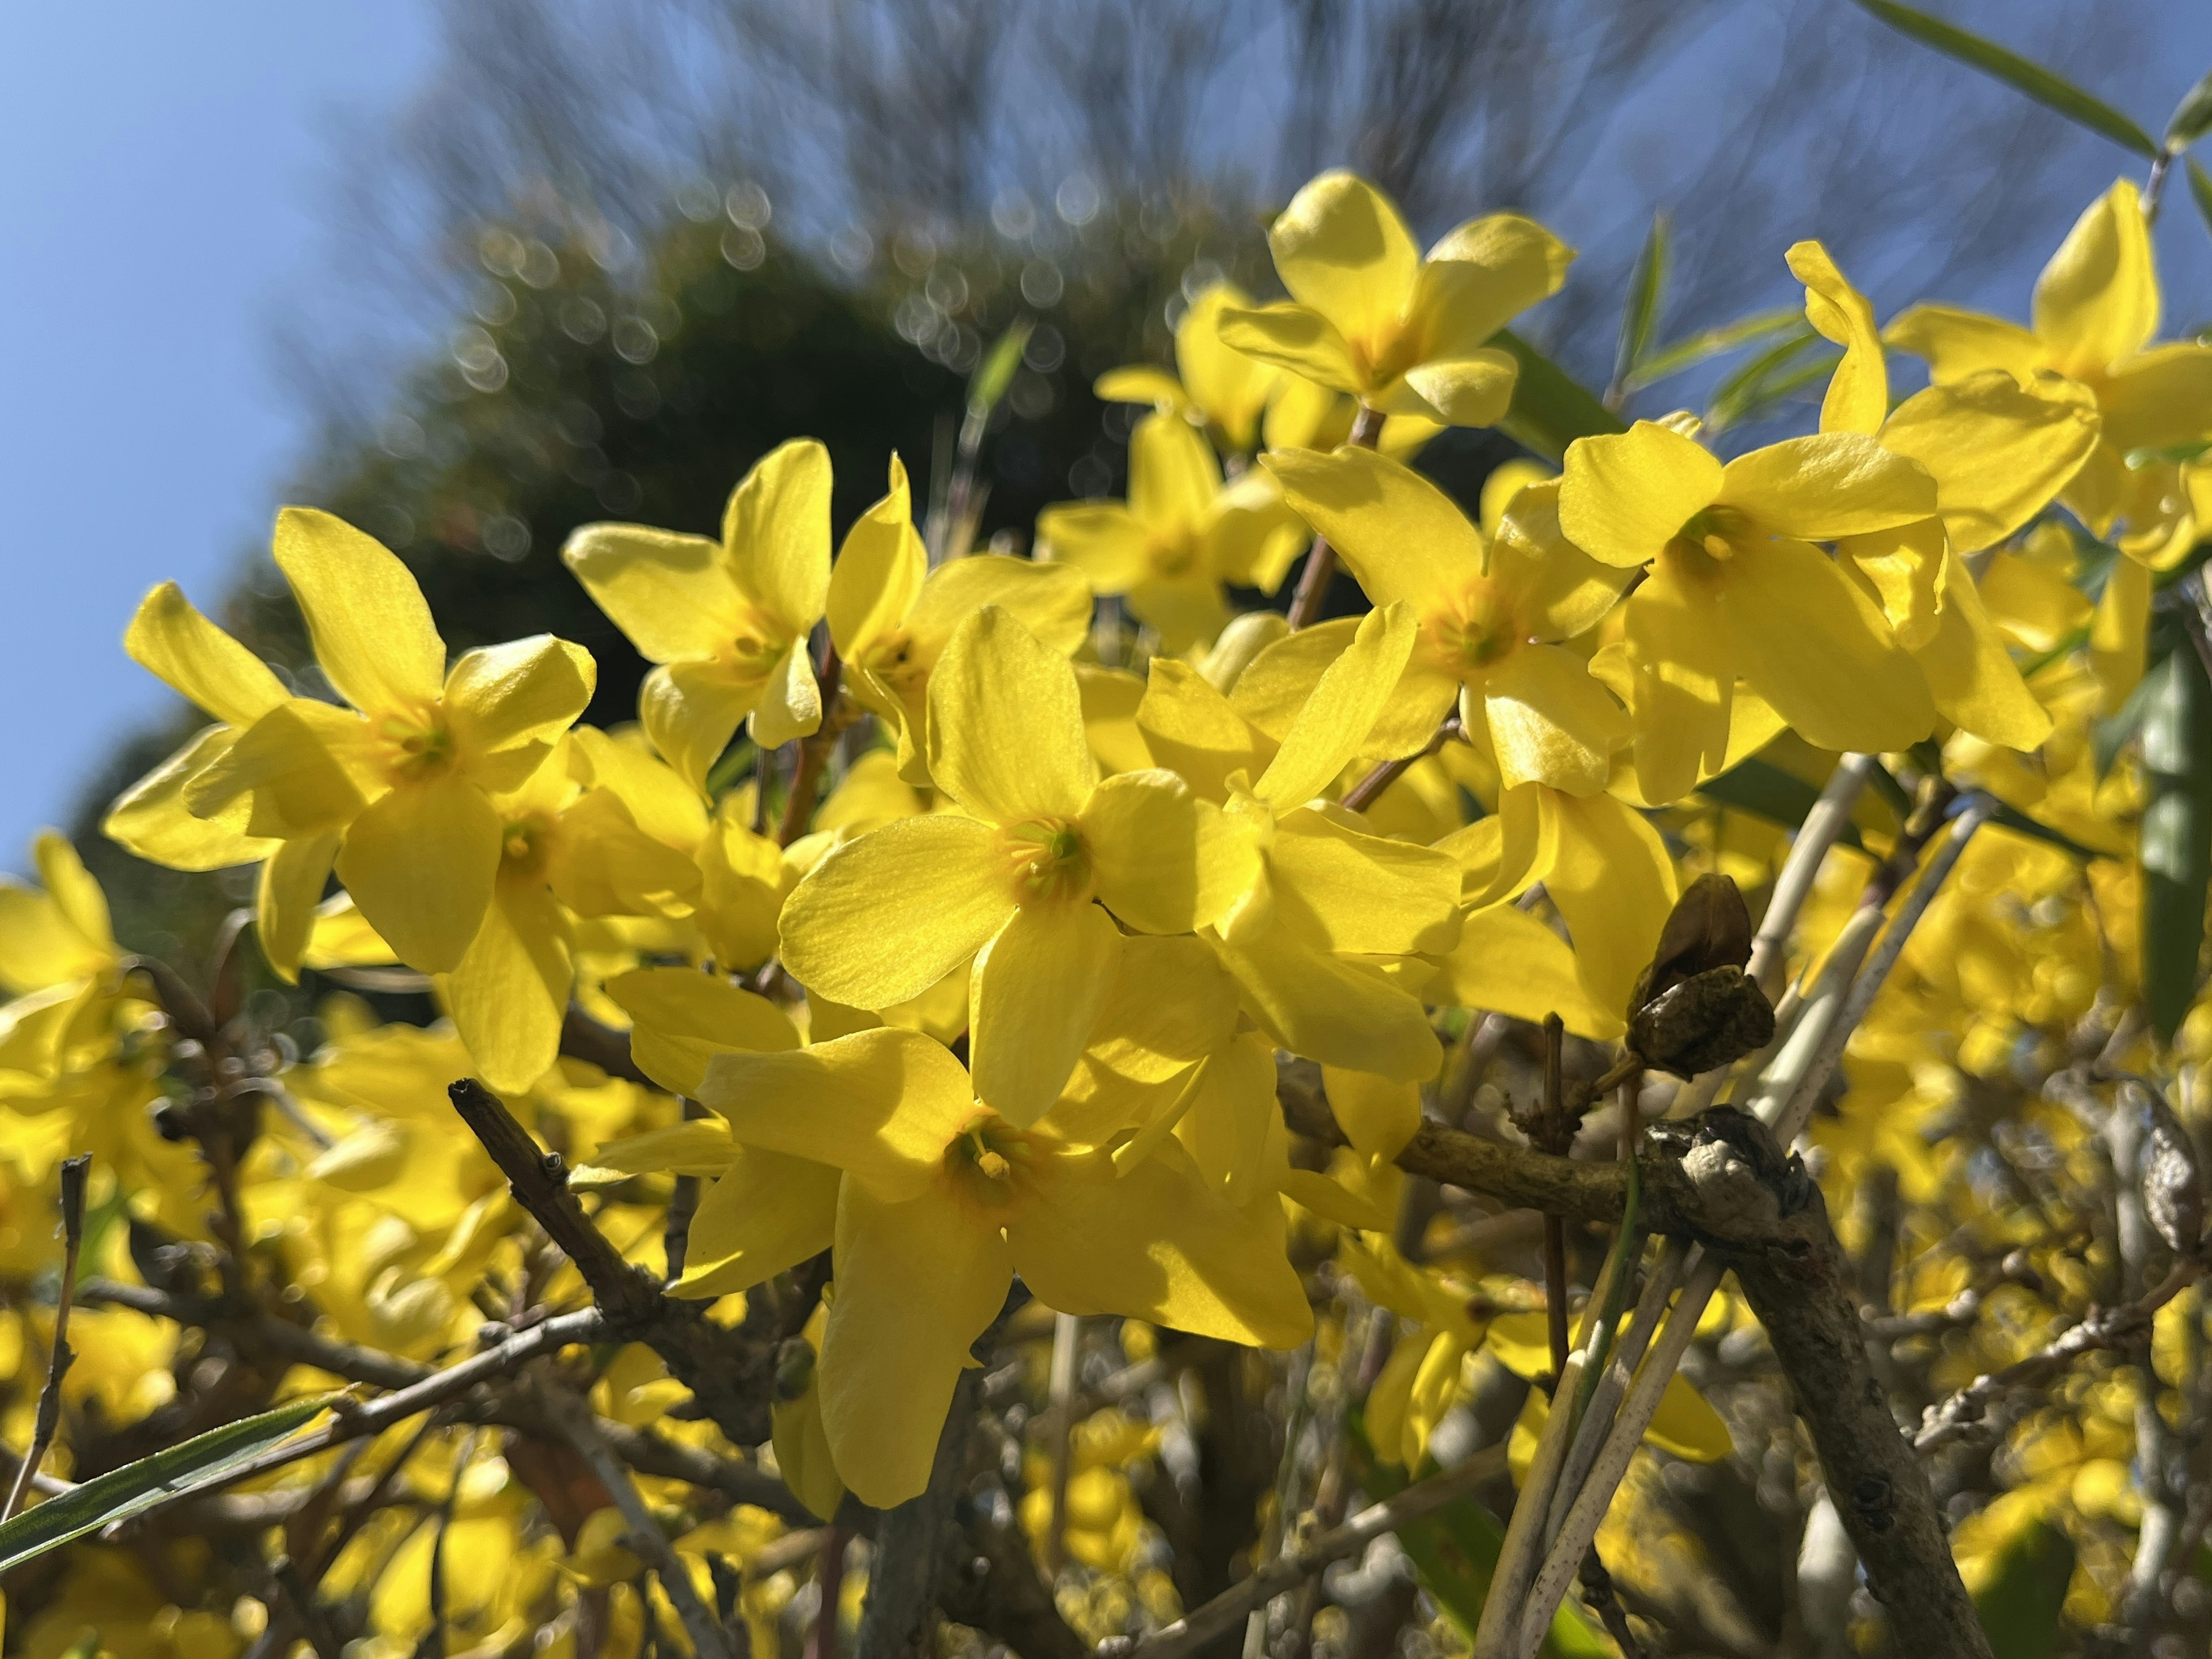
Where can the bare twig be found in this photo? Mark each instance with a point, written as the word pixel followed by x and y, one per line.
pixel 1363 793
pixel 813 751
pixel 1830 817
pixel 48 1421
pixel 1321 562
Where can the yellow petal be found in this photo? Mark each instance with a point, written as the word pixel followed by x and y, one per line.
pixel 1998 451
pixel 199 661
pixel 776 533
pixel 1399 535
pixel 765 1214
pixel 1053 601
pixel 790 705
pixel 2119 632
pixel 1956 343
pixel 878 571
pixel 1104 540
pixel 1903 565
pixel 1231 388
pixel 1480 277
pixel 681 1018
pixel 1613 882
pixel 1034 998
pixel 1005 725
pixel 1348 700
pixel 658 801
pixel 1623 497
pixel 1336 1011
pixel 1378 1115
pixel 369 624
pixel 1507 962
pixel 1341 250
pixel 1173 477
pixel 1474 390
pixel 1360 894
pixel 1814 646
pixel 2097 301
pixel 421 863
pixel 690 711
pixel 882 1105
pixel 601 864
pixel 1388 1403
pixel 511 990
pixel 531 690
pixel 1190 726
pixel 1857 397
pixel 1143 830
pixel 1293 338
pixel 1550 722
pixel 1140 383
pixel 698 1146
pixel 884 918
pixel 1684 1426
pixel 1553 588
pixel 1833 483
pixel 803 1456
pixel 150 819
pixel 1971 674
pixel 1155 1243
pixel 670 594
pixel 2164 397
pixel 917 1283
pixel 1684 674
pixel 291 886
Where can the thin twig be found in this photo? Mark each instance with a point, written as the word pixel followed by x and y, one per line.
pixel 1362 794
pixel 813 751
pixel 1830 817
pixel 48 1422
pixel 1321 562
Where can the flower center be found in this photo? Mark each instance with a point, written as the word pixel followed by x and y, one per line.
pixel 525 843
pixel 986 1158
pixel 1047 861
pixel 1477 630
pixel 415 747
pixel 1175 553
pixel 1718 532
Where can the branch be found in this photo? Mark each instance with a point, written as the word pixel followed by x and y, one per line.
pixel 730 1377
pixel 911 1541
pixel 1321 560
pixel 48 1422
pixel 995 1589
pixel 1225 1611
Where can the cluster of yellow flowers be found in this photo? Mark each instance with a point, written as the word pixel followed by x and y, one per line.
pixel 1010 999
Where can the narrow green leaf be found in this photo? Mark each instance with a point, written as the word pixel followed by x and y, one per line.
pixel 2167 454
pixel 2192 116
pixel 2020 1601
pixel 995 372
pixel 2016 72
pixel 1550 409
pixel 1454 1552
pixel 2110 735
pixel 202 1461
pixel 2200 191
pixel 1742 389
pixel 2011 817
pixel 2176 844
pixel 1692 350
pixel 1765 791
pixel 1639 318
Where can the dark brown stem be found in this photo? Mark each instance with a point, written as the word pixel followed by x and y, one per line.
pixel 1321 562
pixel 48 1421
pixel 1363 793
pixel 813 751
pixel 829 1580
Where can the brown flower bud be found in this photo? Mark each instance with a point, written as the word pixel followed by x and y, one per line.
pixel 1693 1008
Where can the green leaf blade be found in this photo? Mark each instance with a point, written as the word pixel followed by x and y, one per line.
pixel 203 1461
pixel 1647 284
pixel 1550 409
pixel 2022 74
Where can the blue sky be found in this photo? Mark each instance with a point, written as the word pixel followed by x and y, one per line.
pixel 159 164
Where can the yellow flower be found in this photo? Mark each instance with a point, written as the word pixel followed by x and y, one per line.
pixel 1489 616
pixel 728 621
pixel 1012 884
pixel 1736 588
pixel 891 616
pixel 1181 536
pixel 942 1201
pixel 2096 311
pixel 1368 315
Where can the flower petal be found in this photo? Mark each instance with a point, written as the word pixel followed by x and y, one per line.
pixel 1155 1243
pixel 1998 451
pixel 1291 337
pixel 1857 398
pixel 1338 1013
pixel 1173 477
pixel 1399 535
pixel 1613 882
pixel 370 626
pixel 1480 277
pixel 291 886
pixel 1971 676
pixel 1956 343
pixel 527 690
pixel 420 863
pixel 200 662
pixel 668 593
pixel 1684 680
pixel 2163 397
pixel 1341 250
pixel 885 917
pixel 790 705
pixel 2097 301
pixel 1034 996
pixel 1625 496
pixel 1360 894
pixel 1507 962
pixel 690 711
pixel 1005 725
pixel 1347 701
pixel 776 533
pixel 1833 483
pixel 878 571
pixel 881 1104
pixel 1143 832
pixel 765 1214
pixel 1053 601
pixel 284 763
pixel 1105 540
pixel 151 821
pixel 1475 389
pixel 681 1018
pixel 1551 722
pixel 511 990
pixel 1378 1115
pixel 917 1283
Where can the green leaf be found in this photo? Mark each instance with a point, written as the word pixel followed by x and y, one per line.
pixel 2016 72
pixel 1693 349
pixel 2176 843
pixel 995 372
pixel 1745 388
pixel 2200 191
pixel 2192 116
pixel 1639 318
pixel 2110 735
pixel 1454 1552
pixel 2020 1601
pixel 1550 409
pixel 1765 791
pixel 2011 817
pixel 202 1460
